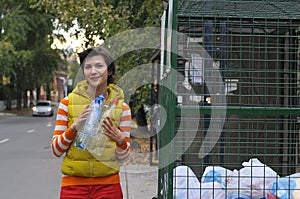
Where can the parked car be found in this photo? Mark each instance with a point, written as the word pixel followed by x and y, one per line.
pixel 43 108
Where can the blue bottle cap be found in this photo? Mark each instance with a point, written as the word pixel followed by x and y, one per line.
pixel 99 99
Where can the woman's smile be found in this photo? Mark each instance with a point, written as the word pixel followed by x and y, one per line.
pixel 95 78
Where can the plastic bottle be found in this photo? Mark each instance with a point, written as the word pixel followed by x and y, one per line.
pixel 108 111
pixel 85 135
pixel 98 143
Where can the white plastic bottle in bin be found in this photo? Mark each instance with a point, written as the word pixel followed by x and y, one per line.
pixel 97 145
pixel 85 134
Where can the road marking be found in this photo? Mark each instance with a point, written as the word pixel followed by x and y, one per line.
pixel 31 131
pixel 4 140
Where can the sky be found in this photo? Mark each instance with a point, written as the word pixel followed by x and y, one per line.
pixel 71 42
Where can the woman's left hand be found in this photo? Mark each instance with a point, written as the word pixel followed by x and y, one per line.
pixel 113 132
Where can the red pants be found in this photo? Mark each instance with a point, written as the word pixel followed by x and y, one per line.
pixel 109 191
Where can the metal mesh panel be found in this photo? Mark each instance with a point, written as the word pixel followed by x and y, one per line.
pixel 276 9
pixel 254 47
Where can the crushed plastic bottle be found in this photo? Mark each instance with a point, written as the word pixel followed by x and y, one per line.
pixel 85 134
pixel 97 145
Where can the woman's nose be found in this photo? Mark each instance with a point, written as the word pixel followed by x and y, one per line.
pixel 93 69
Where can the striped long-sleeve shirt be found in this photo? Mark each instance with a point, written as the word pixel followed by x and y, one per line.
pixel 63 137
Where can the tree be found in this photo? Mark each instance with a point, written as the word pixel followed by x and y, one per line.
pixel 26 56
pixel 103 19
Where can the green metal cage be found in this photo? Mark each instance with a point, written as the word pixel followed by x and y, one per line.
pixel 230 84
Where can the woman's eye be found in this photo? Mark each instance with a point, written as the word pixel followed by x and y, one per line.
pixel 87 66
pixel 99 66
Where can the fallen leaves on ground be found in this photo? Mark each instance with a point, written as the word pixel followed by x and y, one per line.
pixel 140 152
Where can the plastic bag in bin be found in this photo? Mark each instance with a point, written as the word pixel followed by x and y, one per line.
pixel 254 179
pixel 185 183
pixel 217 174
pixel 287 187
pixel 187 186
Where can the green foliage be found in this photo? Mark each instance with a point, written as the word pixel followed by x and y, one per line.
pixel 103 19
pixel 6 58
pixel 26 56
pixel 16 26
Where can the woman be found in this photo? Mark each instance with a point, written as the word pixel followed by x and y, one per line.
pixel 84 176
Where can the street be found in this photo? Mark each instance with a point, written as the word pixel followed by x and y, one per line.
pixel 28 169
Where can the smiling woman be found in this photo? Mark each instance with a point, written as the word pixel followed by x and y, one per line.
pixel 84 174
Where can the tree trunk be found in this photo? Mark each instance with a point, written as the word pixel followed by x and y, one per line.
pixel 48 91
pixel 8 96
pixel 19 100
pixel 8 104
pixel 25 100
pixel 38 92
pixel 31 98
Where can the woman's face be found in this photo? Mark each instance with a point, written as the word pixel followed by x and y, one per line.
pixel 96 71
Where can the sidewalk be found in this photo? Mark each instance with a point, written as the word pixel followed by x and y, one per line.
pixel 139 181
pixel 4 116
pixel 7 114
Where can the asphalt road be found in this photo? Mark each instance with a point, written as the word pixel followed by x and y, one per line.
pixel 28 169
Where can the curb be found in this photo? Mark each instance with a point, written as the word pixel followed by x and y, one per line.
pixel 7 114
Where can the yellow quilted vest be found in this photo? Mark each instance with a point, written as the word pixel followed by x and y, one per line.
pixel 78 162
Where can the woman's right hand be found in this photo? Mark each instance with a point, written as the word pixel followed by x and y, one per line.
pixel 81 119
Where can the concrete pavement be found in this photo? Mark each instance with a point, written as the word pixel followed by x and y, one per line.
pixel 139 181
